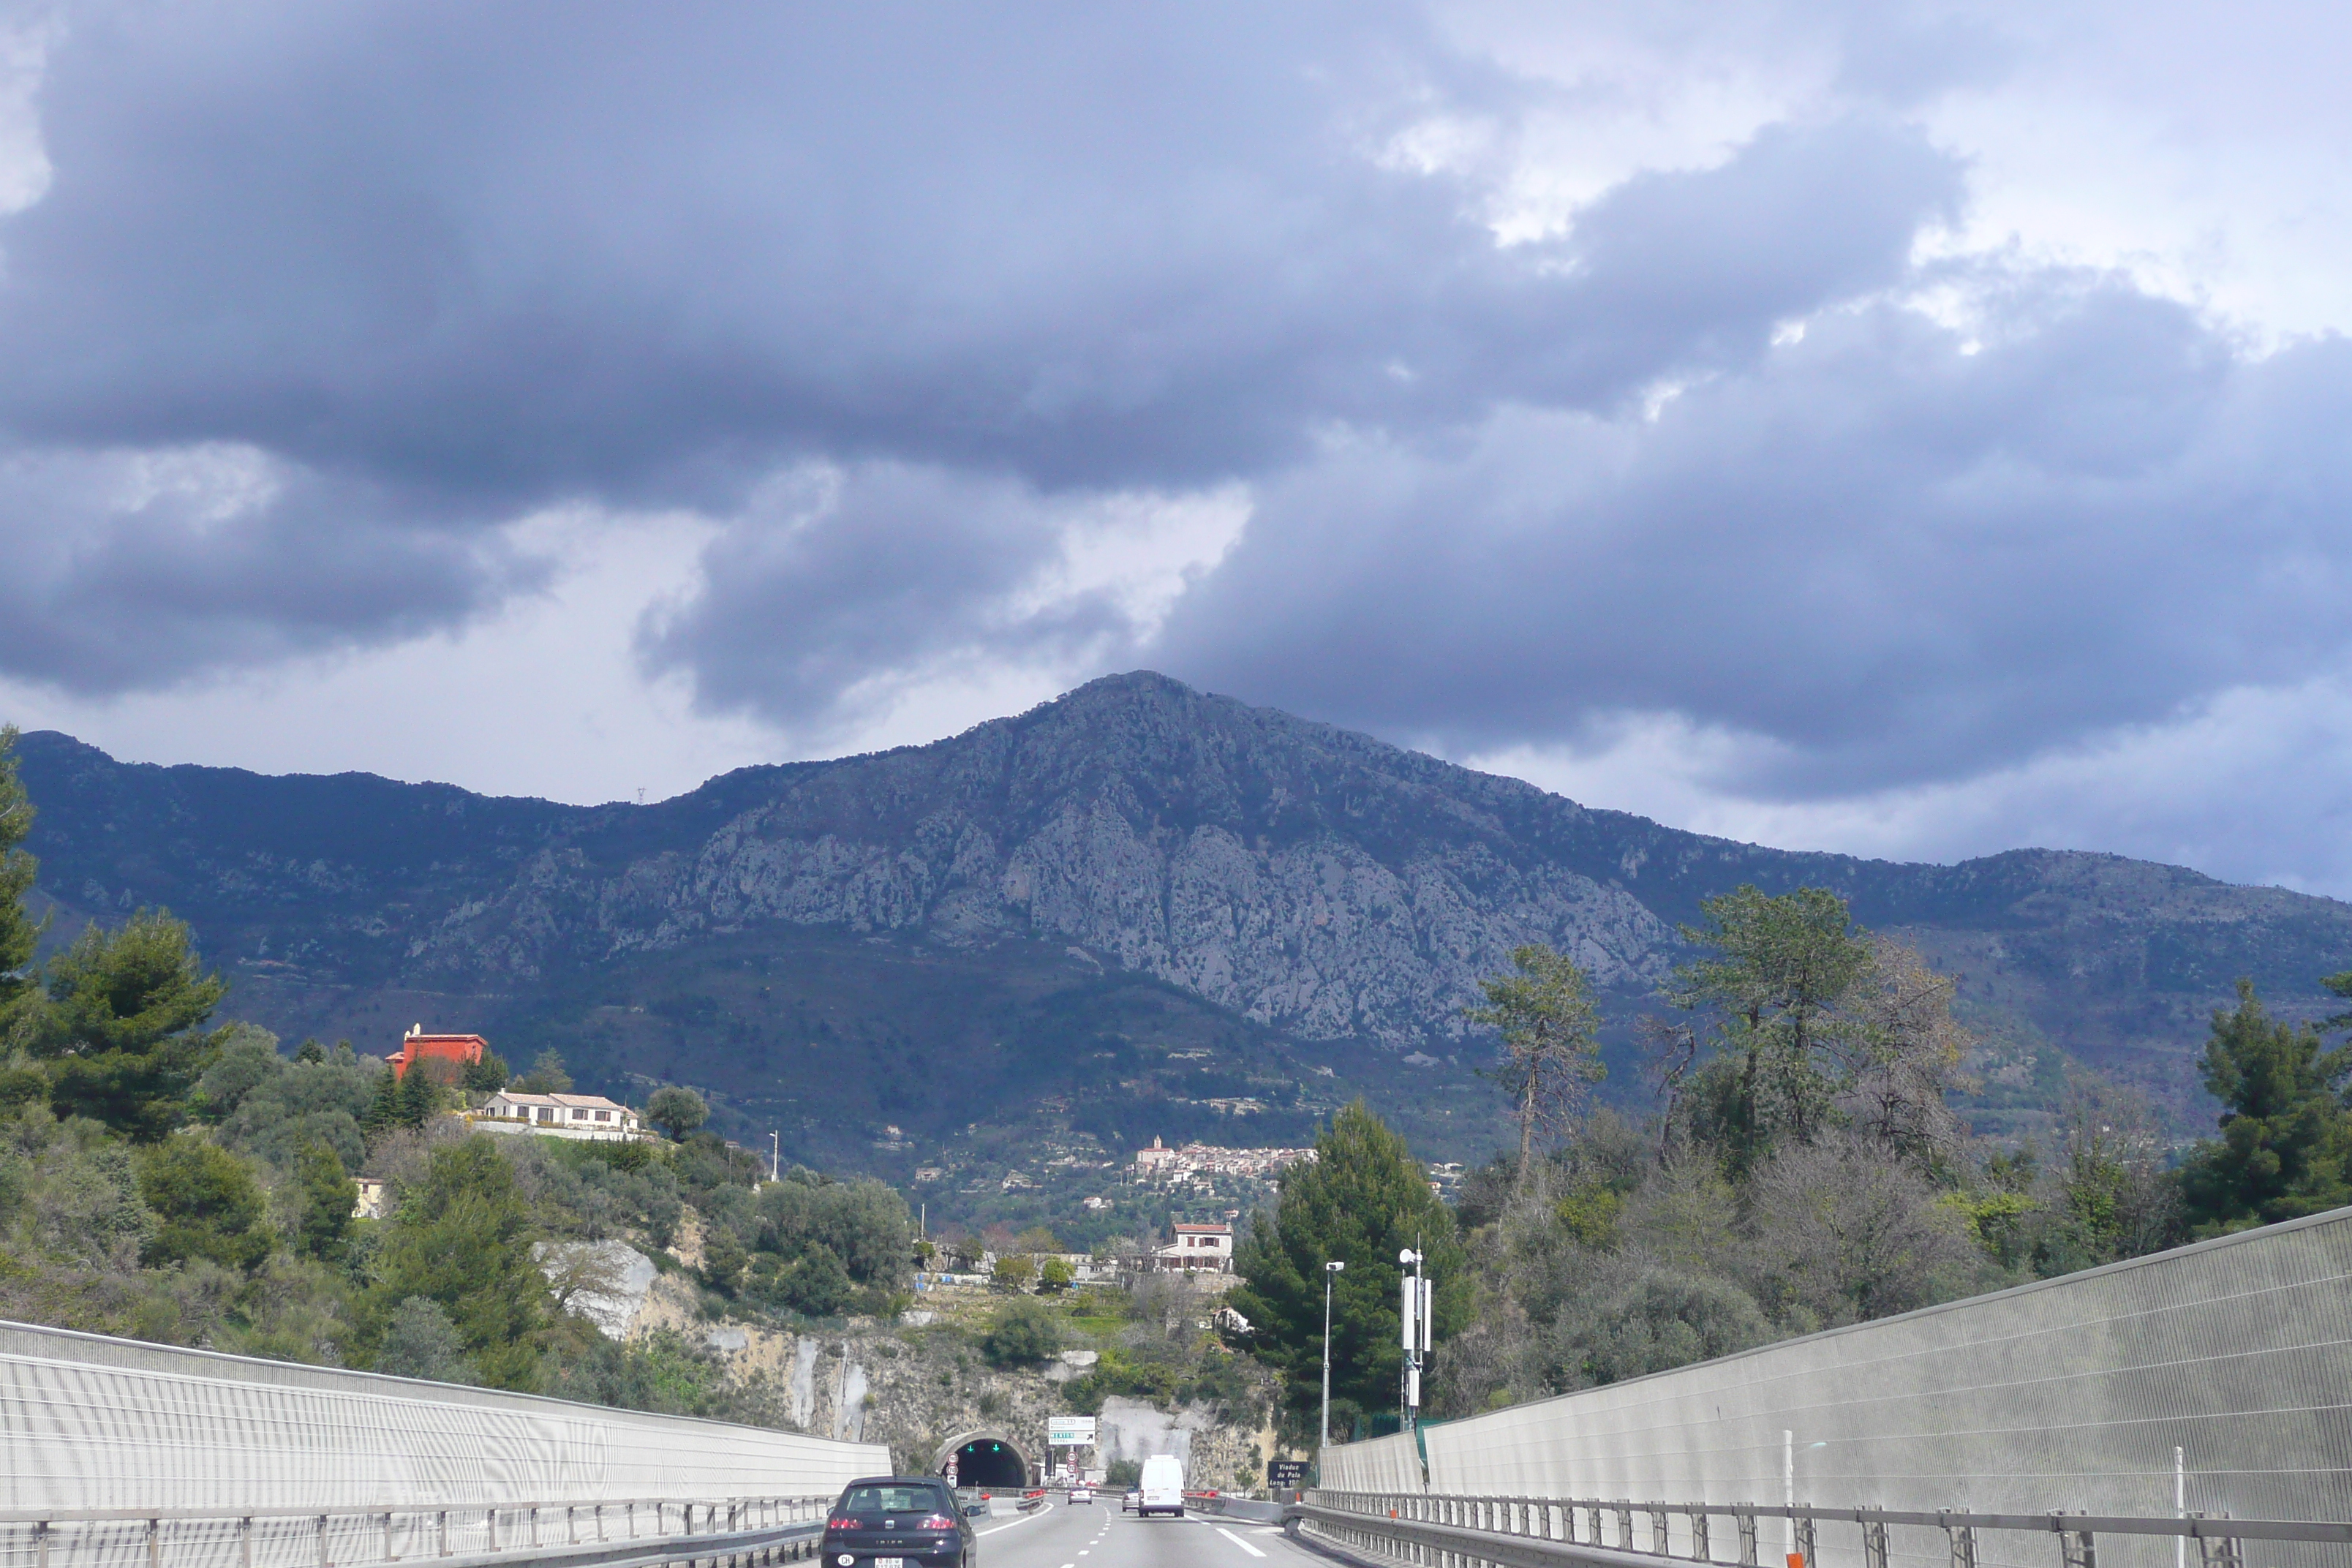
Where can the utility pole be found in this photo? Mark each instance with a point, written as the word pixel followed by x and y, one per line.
pixel 1413 1331
pixel 775 1155
pixel 1329 1270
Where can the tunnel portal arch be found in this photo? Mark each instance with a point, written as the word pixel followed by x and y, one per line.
pixel 986 1457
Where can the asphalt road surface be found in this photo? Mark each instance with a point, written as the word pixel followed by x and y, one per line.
pixel 1098 1535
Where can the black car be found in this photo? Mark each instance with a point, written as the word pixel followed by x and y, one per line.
pixel 898 1521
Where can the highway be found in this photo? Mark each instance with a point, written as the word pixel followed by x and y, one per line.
pixel 1098 1535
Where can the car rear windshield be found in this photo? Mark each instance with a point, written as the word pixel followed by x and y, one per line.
pixel 895 1500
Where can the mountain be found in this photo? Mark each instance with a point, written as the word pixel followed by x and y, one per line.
pixel 1122 905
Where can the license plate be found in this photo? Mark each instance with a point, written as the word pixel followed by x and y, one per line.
pixel 890 1563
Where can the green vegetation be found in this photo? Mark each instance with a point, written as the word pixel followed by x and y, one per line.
pixel 1549 1031
pixel 676 1111
pixel 462 1239
pixel 1025 1333
pixel 116 1028
pixel 167 1178
pixel 1807 1169
pixel 2285 1147
pixel 1361 1201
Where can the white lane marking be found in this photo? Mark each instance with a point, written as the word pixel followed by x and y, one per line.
pixel 1023 1520
pixel 1237 1540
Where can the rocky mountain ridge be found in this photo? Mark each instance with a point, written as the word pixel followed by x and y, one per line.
pixel 1318 883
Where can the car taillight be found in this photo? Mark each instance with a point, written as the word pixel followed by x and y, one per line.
pixel 841 1524
pixel 936 1521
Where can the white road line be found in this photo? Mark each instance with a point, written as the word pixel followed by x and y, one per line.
pixel 1023 1520
pixel 1237 1540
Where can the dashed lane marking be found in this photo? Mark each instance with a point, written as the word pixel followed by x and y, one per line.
pixel 1023 1520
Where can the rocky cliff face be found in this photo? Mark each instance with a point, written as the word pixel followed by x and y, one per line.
pixel 1302 877
pixel 1321 883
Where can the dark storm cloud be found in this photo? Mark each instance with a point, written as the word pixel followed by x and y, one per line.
pixel 903 296
pixel 1682 271
pixel 832 578
pixel 1908 552
pixel 123 570
pixel 538 247
pixel 491 258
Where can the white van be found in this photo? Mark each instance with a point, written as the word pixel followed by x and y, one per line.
pixel 1163 1486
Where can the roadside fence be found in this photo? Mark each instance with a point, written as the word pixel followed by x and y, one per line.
pixel 733 1532
pixel 1452 1531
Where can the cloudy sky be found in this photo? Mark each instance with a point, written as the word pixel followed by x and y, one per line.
pixel 1913 429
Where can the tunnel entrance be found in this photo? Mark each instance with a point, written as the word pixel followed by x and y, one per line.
pixel 984 1459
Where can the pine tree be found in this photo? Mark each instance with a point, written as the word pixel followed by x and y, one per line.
pixel 1363 1200
pixel 1786 963
pixel 418 1098
pixel 120 1028
pixel 1550 1033
pixel 463 1237
pixel 384 1109
pixel 328 1195
pixel 2285 1147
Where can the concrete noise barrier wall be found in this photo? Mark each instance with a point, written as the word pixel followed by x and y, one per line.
pixel 88 1423
pixel 2069 1393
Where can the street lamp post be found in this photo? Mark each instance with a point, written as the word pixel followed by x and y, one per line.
pixel 1329 1270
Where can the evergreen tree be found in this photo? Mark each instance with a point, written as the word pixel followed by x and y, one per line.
pixel 121 1027
pixel 383 1108
pixel 2285 1147
pixel 487 1075
pixel 1786 963
pixel 462 1239
pixel 207 1205
pixel 417 1098
pixel 1363 1200
pixel 548 1075
pixel 1551 1033
pixel 328 1195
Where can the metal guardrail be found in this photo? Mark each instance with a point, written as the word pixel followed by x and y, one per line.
pixel 1550 1532
pixel 734 1532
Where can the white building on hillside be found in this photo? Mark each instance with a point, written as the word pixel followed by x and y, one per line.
pixel 583 1116
pixel 1197 1248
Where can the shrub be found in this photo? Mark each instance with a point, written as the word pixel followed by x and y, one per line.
pixel 1023 1334
pixel 208 1204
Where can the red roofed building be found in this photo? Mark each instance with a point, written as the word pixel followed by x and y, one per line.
pixel 415 1046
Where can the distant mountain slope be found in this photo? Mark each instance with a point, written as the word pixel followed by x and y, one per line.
pixel 1322 884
